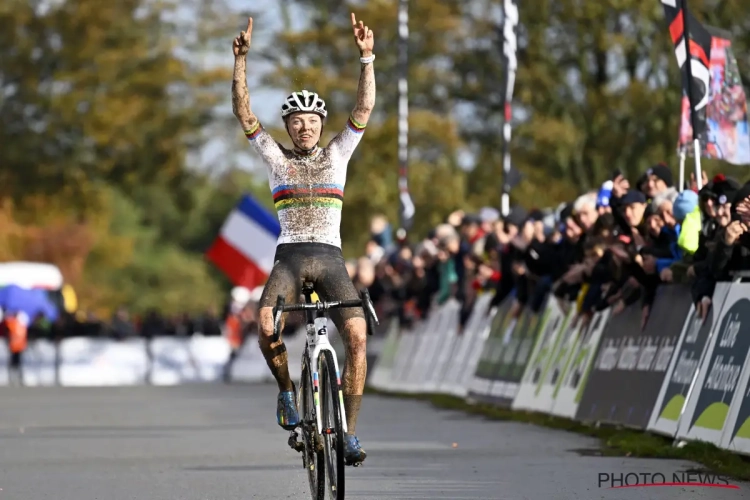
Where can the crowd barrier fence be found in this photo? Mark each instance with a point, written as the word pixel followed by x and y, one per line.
pixel 675 375
pixel 86 361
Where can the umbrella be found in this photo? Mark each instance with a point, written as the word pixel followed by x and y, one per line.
pixel 31 302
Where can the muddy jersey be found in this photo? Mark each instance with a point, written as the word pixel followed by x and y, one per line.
pixel 308 190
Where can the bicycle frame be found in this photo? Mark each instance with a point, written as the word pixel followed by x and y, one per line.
pixel 316 343
pixel 317 339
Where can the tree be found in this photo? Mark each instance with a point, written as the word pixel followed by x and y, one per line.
pixel 597 89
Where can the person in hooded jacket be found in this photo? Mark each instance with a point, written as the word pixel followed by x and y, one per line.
pixel 722 193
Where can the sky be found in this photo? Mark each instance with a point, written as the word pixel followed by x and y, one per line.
pixel 265 102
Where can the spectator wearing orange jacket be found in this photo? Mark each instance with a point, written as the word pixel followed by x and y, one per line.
pixel 14 328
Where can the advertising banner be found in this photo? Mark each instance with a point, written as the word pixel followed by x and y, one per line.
pixel 708 405
pixel 492 349
pixel 382 373
pixel 635 361
pixel 535 392
pixel 509 369
pixel 684 365
pixel 544 342
pixel 727 136
pixel 736 435
pixel 572 382
pixel 463 360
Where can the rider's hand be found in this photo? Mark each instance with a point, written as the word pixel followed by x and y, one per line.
pixel 363 37
pixel 241 44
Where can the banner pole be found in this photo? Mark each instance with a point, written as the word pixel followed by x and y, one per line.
pixel 682 170
pixel 698 171
pixel 510 46
pixel 407 206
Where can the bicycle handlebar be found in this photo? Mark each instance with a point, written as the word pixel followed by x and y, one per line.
pixel 320 306
pixel 371 317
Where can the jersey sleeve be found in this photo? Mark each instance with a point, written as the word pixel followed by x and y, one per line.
pixel 271 151
pixel 347 141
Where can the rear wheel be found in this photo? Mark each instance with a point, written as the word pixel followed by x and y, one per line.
pixel 333 436
pixel 313 458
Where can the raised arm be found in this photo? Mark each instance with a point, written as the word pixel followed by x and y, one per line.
pixel 366 90
pixel 240 97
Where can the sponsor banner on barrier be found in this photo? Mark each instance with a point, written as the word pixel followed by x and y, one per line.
pixel 407 345
pixel 636 359
pixel 507 344
pixel 446 348
pixel 528 393
pixel 684 365
pixel 549 385
pixel 736 436
pixel 382 374
pixel 464 354
pixel 572 382
pixel 492 346
pixel 432 341
pixel 707 408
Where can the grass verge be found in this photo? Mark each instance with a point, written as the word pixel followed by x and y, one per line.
pixel 615 441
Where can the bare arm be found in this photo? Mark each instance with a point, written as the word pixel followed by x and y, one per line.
pixel 365 93
pixel 366 90
pixel 240 96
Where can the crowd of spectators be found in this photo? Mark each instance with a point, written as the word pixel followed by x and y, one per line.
pixel 123 325
pixel 608 248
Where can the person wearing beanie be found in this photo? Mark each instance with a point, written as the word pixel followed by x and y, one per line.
pixel 659 179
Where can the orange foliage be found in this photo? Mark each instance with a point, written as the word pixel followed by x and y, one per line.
pixel 58 239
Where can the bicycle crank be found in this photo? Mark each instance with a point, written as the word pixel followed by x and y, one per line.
pixel 294 443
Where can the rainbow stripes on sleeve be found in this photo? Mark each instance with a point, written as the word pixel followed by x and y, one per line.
pixel 354 126
pixel 315 195
pixel 253 133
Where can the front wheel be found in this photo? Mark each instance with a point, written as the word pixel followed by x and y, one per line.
pixel 333 429
pixel 313 458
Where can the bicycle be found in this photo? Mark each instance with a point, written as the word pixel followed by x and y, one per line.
pixel 322 442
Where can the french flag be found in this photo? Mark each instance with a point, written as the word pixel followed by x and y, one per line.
pixel 246 245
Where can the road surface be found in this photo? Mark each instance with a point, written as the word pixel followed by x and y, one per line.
pixel 215 442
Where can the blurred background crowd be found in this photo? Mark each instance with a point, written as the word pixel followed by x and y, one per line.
pixel 610 247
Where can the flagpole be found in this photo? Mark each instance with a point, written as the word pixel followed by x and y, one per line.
pixel 510 21
pixel 407 206
pixel 682 169
pixel 688 65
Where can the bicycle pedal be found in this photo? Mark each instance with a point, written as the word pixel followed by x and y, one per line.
pixel 293 443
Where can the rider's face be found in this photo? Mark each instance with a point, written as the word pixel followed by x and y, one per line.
pixel 304 129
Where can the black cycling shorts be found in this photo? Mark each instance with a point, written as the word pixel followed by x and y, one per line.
pixel 321 264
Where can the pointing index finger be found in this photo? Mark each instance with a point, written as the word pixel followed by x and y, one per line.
pixel 249 24
pixel 354 20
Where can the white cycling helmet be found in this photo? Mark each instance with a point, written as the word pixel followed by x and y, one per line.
pixel 304 102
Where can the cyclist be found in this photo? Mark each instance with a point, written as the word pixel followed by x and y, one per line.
pixel 307 183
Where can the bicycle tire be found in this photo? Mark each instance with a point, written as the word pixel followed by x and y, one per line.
pixel 330 390
pixel 313 460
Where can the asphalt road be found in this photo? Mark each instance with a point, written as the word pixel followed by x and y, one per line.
pixel 221 443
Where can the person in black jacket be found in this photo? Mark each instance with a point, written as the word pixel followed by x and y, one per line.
pixel 719 198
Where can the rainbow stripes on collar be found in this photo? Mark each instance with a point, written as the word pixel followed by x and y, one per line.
pixel 308 195
pixel 354 126
pixel 253 133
